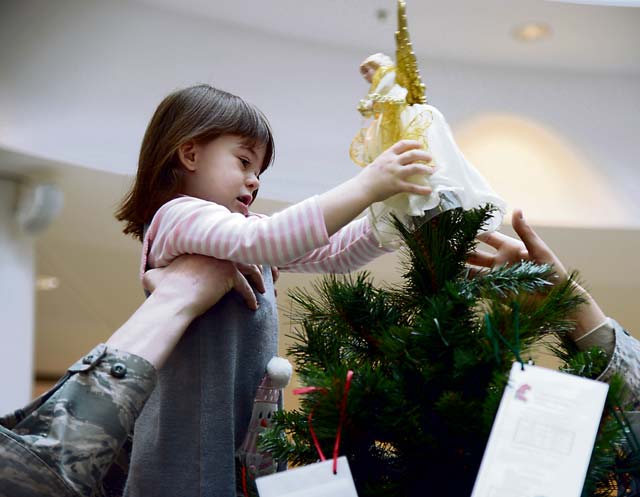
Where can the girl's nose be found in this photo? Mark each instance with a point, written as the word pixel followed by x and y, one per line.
pixel 253 182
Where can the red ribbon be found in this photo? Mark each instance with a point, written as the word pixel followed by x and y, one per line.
pixel 343 408
pixel 244 481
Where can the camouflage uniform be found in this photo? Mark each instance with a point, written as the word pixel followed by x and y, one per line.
pixel 64 442
pixel 625 362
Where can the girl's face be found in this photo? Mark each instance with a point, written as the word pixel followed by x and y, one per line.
pixel 224 171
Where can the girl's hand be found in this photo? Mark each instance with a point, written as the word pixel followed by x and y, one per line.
pixel 393 170
pixel 396 170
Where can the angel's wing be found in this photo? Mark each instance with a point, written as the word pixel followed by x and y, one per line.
pixel 407 73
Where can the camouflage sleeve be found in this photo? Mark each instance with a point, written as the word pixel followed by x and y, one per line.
pixel 625 361
pixel 65 441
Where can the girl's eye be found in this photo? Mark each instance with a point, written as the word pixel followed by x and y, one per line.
pixel 245 162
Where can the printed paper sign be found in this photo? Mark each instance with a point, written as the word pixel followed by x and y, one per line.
pixel 314 480
pixel 543 435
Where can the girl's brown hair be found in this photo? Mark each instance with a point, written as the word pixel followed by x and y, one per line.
pixel 200 113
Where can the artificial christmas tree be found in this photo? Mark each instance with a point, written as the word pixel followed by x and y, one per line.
pixel 430 359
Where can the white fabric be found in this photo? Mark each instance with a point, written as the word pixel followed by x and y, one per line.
pixel 453 174
pixel 625 361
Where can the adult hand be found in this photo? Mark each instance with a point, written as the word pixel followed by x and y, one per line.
pixel 199 281
pixel 533 248
pixel 253 273
pixel 509 250
pixel 182 291
pixel 275 274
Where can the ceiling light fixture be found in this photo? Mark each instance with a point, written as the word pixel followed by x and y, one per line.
pixel 46 283
pixel 532 31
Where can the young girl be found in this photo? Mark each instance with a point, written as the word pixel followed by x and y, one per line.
pixel 200 167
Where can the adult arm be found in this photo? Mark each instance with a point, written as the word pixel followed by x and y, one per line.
pixel 99 399
pixel 593 327
pixel 180 292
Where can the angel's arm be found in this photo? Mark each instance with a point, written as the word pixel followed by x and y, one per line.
pixel 388 86
pixel 387 91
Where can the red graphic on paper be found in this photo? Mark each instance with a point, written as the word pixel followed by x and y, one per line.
pixel 521 392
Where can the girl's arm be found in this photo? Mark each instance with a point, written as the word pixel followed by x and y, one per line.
pixel 349 249
pixel 188 225
pixel 191 226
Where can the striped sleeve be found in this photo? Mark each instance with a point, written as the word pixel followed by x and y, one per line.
pixel 187 225
pixel 348 249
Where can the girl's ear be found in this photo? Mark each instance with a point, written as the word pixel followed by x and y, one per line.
pixel 187 153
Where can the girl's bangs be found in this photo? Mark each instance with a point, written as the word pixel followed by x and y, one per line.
pixel 252 125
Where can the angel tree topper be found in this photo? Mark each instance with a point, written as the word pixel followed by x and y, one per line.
pixel 395 108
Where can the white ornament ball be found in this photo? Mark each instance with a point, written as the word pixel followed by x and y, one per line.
pixel 279 371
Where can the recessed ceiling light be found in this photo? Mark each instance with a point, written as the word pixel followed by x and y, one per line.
pixel 45 283
pixel 532 31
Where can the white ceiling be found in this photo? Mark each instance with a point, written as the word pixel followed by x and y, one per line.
pixel 585 37
pixel 98 266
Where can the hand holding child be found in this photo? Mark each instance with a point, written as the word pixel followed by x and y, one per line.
pixel 200 281
pixel 253 274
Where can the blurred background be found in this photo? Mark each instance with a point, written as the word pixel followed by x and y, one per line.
pixel 542 96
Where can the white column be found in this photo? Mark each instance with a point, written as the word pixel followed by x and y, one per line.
pixel 17 305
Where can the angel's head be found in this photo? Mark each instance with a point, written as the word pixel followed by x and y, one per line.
pixel 372 63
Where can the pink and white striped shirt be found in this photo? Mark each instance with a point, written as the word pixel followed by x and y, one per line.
pixel 294 239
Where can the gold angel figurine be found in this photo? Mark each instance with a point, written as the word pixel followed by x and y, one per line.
pixel 395 108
